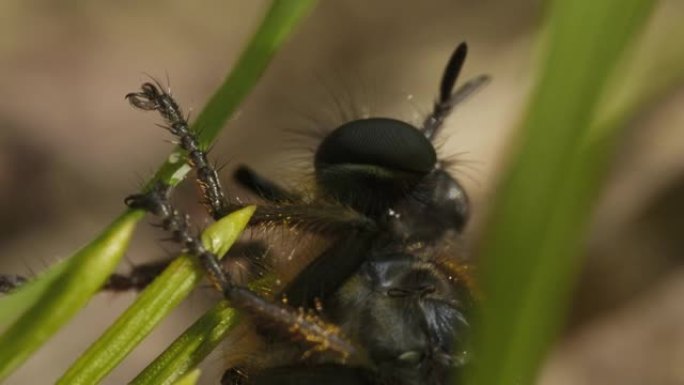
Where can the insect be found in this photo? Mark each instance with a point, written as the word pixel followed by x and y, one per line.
pixel 388 300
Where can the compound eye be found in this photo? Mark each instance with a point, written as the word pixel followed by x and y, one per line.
pixel 383 142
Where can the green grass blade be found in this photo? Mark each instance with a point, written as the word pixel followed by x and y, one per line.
pixel 66 294
pixel 529 253
pixel 190 348
pixel 152 305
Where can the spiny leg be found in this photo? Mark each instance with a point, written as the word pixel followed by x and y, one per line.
pixel 314 218
pixel 141 275
pixel 289 209
pixel 152 98
pixel 447 98
pixel 296 323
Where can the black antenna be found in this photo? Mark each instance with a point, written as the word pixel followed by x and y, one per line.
pixel 447 98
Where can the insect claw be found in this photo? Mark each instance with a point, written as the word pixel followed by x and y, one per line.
pixel 141 101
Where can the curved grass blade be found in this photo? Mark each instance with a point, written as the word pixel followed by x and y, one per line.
pixel 152 305
pixel 66 294
pixel 530 250
pixel 197 342
pixel 191 347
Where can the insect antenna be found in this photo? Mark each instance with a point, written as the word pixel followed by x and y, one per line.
pixel 448 99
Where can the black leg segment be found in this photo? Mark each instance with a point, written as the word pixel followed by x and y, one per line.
pixel 153 98
pixel 262 187
pixel 296 324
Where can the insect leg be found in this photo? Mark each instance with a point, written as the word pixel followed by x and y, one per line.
pixel 295 323
pixel 9 282
pixel 138 278
pixel 263 187
pixel 328 271
pixel 153 98
pixel 323 218
pixel 142 275
pixel 447 98
pixel 315 218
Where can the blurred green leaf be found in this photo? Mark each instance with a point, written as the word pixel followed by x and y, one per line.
pixel 530 250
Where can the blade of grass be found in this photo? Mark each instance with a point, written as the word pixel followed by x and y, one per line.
pixel 529 253
pixel 152 305
pixel 195 344
pixel 188 350
pixel 276 26
pixel 82 276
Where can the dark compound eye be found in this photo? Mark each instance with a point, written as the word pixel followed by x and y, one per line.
pixel 383 142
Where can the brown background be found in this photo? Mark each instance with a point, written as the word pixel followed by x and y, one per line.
pixel 71 148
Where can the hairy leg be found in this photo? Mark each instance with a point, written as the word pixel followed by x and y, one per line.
pixel 153 98
pixel 141 275
pixel 297 324
pixel 285 208
pixel 263 187
pixel 448 99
